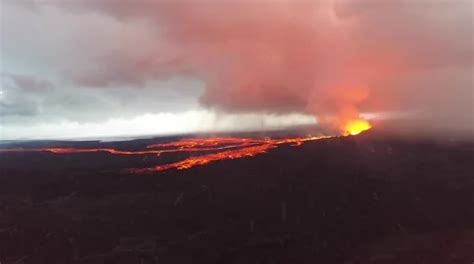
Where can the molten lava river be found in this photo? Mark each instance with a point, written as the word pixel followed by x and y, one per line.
pixel 205 150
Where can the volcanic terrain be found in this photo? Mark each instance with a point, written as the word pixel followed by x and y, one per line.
pixel 240 198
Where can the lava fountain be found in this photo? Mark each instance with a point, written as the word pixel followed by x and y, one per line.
pixel 355 127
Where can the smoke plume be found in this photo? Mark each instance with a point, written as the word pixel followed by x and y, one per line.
pixel 330 58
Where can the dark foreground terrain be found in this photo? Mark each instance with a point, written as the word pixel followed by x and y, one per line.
pixel 363 199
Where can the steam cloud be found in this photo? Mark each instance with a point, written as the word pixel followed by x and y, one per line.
pixel 333 59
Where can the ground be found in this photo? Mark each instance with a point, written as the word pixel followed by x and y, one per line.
pixel 362 199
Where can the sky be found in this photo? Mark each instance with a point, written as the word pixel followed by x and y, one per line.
pixel 84 68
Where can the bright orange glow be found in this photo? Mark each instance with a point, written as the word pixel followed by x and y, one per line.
pixel 238 148
pixel 209 149
pixel 355 127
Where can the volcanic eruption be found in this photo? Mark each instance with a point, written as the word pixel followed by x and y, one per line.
pixel 208 150
pixel 354 127
pixel 236 131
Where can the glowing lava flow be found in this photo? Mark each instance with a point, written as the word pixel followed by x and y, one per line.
pixel 205 142
pixel 178 148
pixel 213 149
pixel 205 159
pixel 245 151
pixel 81 150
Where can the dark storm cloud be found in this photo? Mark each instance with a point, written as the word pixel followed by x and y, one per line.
pixel 18 108
pixel 31 104
pixel 26 82
pixel 18 95
pixel 60 65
